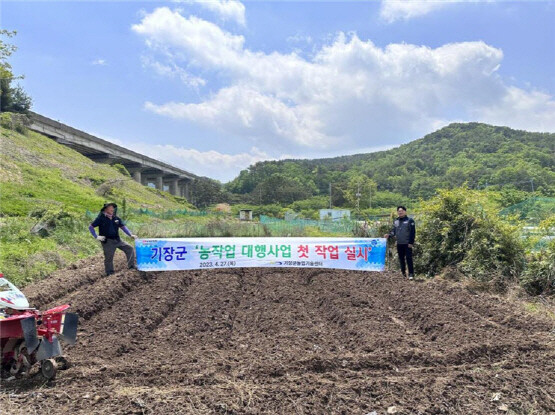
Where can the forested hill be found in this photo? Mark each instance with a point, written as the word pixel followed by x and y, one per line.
pixel 479 154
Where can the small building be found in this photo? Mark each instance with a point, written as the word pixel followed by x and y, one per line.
pixel 245 214
pixel 334 214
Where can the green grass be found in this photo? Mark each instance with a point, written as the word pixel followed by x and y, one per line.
pixel 545 310
pixel 25 257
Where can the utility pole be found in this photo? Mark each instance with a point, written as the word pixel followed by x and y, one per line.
pixel 330 195
pixel 532 183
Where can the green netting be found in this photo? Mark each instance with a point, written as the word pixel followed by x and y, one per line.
pixel 168 214
pixel 532 210
pixel 344 226
pixel 189 229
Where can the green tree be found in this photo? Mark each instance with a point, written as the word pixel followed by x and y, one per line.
pixel 6 50
pixel 479 155
pixel 12 99
pixel 279 188
pixel 207 192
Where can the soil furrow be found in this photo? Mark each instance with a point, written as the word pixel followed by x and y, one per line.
pixel 287 341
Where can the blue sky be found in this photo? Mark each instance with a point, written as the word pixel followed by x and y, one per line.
pixel 215 86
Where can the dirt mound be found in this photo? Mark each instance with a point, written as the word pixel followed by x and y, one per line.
pixel 251 341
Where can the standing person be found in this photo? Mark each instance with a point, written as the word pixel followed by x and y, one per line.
pixel 404 230
pixel 108 224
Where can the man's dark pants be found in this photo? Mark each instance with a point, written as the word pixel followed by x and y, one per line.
pixel 405 253
pixel 110 246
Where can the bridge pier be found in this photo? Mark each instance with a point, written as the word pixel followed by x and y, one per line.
pixel 186 193
pixel 160 182
pixel 174 186
pixel 183 189
pixel 136 173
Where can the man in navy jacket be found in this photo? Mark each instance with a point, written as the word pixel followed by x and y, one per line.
pixel 109 224
pixel 404 231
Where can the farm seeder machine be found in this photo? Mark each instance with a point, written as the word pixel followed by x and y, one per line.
pixel 29 336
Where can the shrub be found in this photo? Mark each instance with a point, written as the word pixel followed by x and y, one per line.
pixel 310 214
pixel 539 276
pixel 460 229
pixel 15 122
pixel 122 169
pixel 385 199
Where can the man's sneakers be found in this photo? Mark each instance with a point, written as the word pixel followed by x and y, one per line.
pixel 411 276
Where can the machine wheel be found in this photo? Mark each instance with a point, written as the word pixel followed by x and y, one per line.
pixel 21 362
pixel 62 362
pixel 14 367
pixel 48 368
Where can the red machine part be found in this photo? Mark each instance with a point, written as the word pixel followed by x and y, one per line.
pixel 10 327
pixel 28 336
pixel 51 322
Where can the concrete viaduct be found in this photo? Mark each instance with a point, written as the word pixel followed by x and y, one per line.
pixel 143 169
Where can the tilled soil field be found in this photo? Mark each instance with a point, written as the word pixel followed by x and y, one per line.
pixel 297 341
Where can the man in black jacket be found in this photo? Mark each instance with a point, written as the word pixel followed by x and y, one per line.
pixel 108 224
pixel 404 230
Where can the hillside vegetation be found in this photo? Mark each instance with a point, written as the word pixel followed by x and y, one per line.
pixel 38 173
pixel 478 154
pixel 46 190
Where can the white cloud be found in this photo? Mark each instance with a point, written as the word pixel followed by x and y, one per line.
pixel 392 10
pixel 534 110
pixel 299 38
pixel 203 42
pixel 226 9
pixel 101 62
pixel 246 112
pixel 212 163
pixel 350 95
pixel 172 70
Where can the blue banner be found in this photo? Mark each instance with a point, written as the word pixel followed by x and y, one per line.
pixel 363 254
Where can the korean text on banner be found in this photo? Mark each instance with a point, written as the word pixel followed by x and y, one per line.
pixel 365 254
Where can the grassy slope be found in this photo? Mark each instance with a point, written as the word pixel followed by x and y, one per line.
pixel 36 172
pixel 41 180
